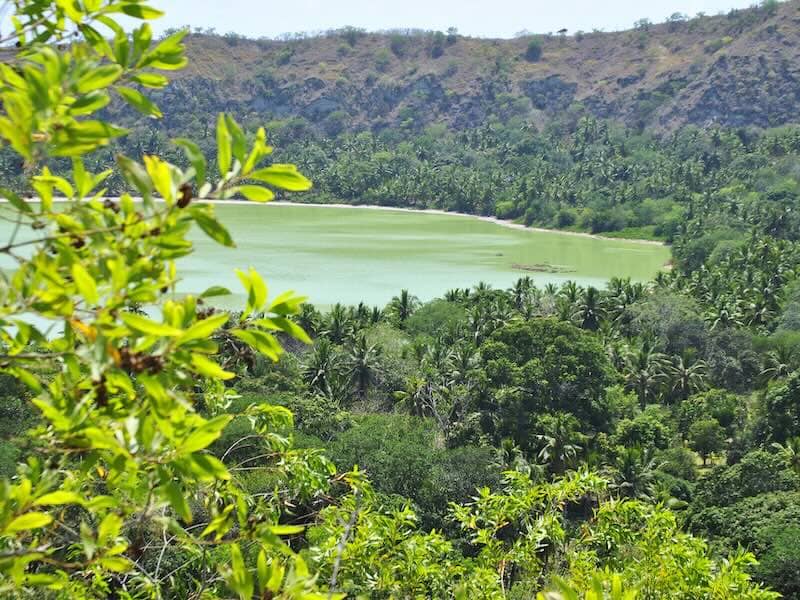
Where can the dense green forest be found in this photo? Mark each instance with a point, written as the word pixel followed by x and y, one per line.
pixel 556 442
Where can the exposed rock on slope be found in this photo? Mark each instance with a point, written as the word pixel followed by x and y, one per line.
pixel 737 69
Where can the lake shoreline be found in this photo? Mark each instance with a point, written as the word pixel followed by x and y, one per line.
pixel 430 211
pixel 436 211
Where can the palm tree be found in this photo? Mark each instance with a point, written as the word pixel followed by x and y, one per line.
pixel 590 309
pixel 376 316
pixel 322 366
pixel 634 473
pixel 338 325
pixel 417 397
pixel 463 361
pixel 479 323
pixel 790 450
pixel 436 356
pixel 724 316
pixel 453 295
pixel 403 306
pixel 521 291
pixel 570 291
pixel 645 371
pixel 309 319
pixel 559 441
pixel 779 362
pixel 362 363
pixel 687 379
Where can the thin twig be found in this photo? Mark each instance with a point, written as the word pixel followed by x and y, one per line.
pixel 340 546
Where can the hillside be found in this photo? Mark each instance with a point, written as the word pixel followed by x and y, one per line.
pixel 740 69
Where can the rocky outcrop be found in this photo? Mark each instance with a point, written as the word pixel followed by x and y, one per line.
pixel 741 69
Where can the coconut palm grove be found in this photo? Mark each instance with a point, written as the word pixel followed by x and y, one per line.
pixel 554 437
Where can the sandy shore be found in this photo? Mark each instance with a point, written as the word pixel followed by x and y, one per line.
pixel 430 211
pixel 435 211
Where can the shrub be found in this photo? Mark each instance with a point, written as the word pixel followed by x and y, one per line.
pixel 712 46
pixel 351 35
pixel 452 36
pixel 398 44
pixel 284 56
pixel 505 209
pixel 438 41
pixel 382 60
pixel 533 53
pixel 566 217
pixel 706 437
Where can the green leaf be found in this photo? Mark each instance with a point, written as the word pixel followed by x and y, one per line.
pixel 141 11
pixel 135 174
pixel 285 177
pixel 209 368
pixel 256 289
pixel 215 290
pixel 16 201
pixel 204 328
pixel 238 138
pixel 287 326
pixel 98 78
pixel 208 467
pixel 109 529
pixel 256 193
pixel 150 80
pixel 195 156
pixel 220 524
pixel 118 564
pixel 223 146
pixel 58 498
pixel 287 303
pixel 287 529
pixel 205 435
pixel 89 103
pixel 263 571
pixel 241 579
pixel 174 494
pixel 87 287
pixel 140 102
pixel 213 228
pixel 263 342
pixel 149 327
pixel 31 520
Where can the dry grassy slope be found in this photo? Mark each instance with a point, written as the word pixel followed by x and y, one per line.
pixel 663 77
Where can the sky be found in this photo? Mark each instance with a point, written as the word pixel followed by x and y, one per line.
pixel 480 18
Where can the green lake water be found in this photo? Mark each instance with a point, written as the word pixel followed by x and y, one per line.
pixel 353 254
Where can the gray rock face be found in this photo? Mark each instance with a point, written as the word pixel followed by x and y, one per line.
pixel 550 94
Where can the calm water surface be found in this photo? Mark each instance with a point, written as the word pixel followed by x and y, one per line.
pixel 353 254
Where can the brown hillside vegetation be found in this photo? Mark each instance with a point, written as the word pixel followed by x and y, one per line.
pixel 738 69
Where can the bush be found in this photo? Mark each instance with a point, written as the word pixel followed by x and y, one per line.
pixel 438 41
pixel 505 210
pixel 779 567
pixel 401 456
pixel 566 217
pixel 284 56
pixel 706 437
pixel 351 35
pixel 679 462
pixel 398 44
pixel 647 429
pixel 436 318
pixel 533 53
pixel 757 473
pixel 712 46
pixel 382 60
